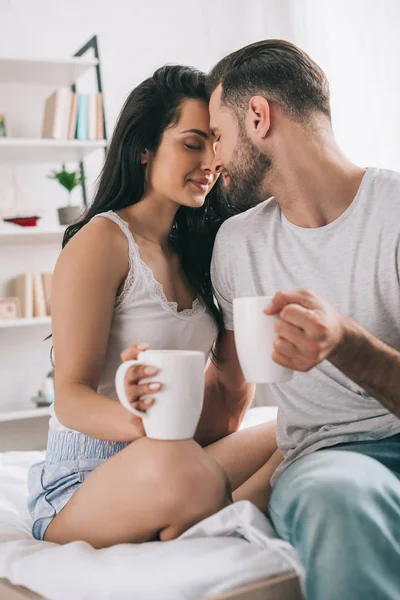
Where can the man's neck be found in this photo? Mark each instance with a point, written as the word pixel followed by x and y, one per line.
pixel 315 182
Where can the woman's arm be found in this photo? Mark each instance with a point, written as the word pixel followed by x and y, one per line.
pixel 86 279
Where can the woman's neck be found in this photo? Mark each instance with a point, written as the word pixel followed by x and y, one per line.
pixel 152 219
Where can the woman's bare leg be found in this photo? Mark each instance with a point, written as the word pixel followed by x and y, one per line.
pixel 257 488
pixel 243 453
pixel 152 489
pixel 155 489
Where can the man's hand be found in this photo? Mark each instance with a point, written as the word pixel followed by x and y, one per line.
pixel 309 329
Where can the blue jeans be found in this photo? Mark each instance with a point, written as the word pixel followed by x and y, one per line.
pixel 340 508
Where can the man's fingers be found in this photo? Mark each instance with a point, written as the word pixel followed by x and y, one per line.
pixel 296 363
pixel 309 321
pixel 307 343
pixel 132 352
pixel 289 331
pixel 285 348
pixel 303 297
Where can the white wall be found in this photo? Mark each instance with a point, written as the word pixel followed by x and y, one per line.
pixel 357 43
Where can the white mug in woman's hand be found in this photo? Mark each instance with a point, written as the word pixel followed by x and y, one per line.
pixel 177 406
pixel 254 338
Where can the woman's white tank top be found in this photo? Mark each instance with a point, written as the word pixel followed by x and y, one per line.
pixel 142 313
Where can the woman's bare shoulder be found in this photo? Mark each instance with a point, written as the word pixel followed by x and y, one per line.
pixel 100 244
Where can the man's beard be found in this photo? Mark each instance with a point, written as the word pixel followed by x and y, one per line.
pixel 247 172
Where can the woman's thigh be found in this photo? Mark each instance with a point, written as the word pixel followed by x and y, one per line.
pixel 150 490
pixel 243 453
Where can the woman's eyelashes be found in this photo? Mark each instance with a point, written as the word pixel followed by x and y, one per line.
pixel 190 146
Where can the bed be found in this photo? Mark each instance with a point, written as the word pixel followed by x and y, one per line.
pixel 234 554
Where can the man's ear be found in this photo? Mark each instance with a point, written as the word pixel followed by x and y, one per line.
pixel 145 157
pixel 259 116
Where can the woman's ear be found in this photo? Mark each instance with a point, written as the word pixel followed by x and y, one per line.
pixel 145 157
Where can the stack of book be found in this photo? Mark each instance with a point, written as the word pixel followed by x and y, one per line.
pixel 69 116
pixel 34 293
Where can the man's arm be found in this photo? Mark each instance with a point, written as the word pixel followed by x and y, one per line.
pixel 370 363
pixel 227 395
pixel 310 330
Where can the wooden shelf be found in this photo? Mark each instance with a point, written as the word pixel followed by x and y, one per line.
pixel 38 150
pixel 35 235
pixel 36 321
pixel 20 415
pixel 44 72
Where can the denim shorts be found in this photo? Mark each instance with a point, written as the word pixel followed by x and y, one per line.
pixel 70 458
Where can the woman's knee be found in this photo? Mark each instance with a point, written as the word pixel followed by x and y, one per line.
pixel 195 499
pixel 190 484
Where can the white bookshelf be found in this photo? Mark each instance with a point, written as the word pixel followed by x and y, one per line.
pixel 58 72
pixel 24 352
pixel 39 150
pixel 22 415
pixel 17 323
pixel 31 235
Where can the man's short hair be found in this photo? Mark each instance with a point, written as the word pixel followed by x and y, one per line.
pixel 277 70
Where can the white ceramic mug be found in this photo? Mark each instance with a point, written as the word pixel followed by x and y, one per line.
pixel 254 338
pixel 177 407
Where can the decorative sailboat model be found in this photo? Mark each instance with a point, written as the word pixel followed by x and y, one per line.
pixel 19 207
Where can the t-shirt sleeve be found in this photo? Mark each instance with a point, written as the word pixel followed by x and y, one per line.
pixel 221 280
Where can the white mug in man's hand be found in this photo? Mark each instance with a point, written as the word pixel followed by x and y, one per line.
pixel 254 337
pixel 177 407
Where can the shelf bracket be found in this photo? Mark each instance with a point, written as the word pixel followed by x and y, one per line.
pixel 92 45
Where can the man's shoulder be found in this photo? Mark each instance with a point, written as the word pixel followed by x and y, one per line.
pixel 244 222
pixel 382 193
pixel 386 179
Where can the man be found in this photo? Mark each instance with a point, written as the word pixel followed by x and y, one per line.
pixel 326 243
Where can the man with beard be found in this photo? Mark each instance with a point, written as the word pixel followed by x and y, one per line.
pixel 323 237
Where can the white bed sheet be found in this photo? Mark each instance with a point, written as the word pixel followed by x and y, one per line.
pixel 234 547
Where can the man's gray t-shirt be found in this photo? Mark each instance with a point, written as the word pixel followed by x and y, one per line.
pixel 354 264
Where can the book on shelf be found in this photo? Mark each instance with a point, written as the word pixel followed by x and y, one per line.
pixel 83 117
pixel 92 117
pixel 57 114
pixel 34 293
pixel 69 115
pixel 39 302
pixel 46 280
pixel 100 116
pixel 23 289
pixel 73 116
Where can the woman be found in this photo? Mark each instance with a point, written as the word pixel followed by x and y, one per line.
pixel 136 268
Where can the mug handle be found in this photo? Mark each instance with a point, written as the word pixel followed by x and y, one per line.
pixel 120 388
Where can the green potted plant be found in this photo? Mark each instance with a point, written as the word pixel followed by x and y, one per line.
pixel 69 180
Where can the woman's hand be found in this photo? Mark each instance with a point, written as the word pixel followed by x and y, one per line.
pixel 134 389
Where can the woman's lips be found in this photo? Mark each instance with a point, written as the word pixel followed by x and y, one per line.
pixel 200 185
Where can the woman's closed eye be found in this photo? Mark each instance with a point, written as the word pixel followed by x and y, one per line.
pixel 192 147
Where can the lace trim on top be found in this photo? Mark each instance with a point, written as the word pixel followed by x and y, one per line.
pixel 156 288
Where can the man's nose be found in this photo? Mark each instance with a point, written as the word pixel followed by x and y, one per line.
pixel 216 165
